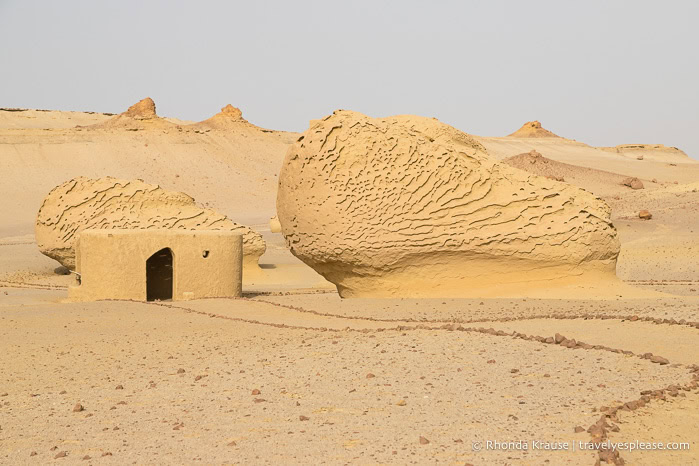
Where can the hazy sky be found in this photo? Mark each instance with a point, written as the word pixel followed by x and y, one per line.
pixel 602 72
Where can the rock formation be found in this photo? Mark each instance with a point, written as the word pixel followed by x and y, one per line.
pixel 142 110
pixel 110 203
pixel 274 225
pixel 228 116
pixel 139 116
pixel 408 206
pixel 633 183
pixel 532 129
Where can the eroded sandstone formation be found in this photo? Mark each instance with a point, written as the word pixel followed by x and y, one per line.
pixel 139 116
pixel 533 129
pixel 110 203
pixel 409 206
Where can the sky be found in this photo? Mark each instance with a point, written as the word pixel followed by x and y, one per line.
pixel 602 72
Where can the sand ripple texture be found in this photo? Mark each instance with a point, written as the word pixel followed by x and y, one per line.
pixel 111 203
pixel 409 206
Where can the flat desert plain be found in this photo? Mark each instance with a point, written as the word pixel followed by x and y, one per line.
pixel 291 373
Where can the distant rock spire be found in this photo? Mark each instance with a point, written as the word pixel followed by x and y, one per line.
pixel 533 129
pixel 142 110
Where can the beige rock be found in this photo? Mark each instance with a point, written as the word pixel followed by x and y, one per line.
pixel 408 206
pixel 633 183
pixel 142 110
pixel 645 215
pixel 110 203
pixel 228 117
pixel 274 225
pixel 533 129
pixel 139 116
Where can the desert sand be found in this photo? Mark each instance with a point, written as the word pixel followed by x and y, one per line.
pixel 292 373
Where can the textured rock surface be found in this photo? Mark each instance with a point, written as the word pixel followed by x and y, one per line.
pixel 110 203
pixel 408 206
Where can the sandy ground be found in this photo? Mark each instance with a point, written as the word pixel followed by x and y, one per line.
pixel 291 373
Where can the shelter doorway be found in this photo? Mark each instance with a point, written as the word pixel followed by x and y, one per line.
pixel 159 276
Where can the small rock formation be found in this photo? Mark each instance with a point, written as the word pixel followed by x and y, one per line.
pixel 633 183
pixel 532 129
pixel 645 215
pixel 139 116
pixel 409 206
pixel 110 203
pixel 228 117
pixel 274 225
pixel 142 110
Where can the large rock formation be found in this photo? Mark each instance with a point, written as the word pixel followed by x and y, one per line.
pixel 408 206
pixel 110 203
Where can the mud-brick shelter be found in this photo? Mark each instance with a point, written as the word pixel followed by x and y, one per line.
pixel 151 265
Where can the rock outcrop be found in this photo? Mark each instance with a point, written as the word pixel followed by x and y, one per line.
pixel 228 117
pixel 142 110
pixel 139 116
pixel 533 129
pixel 409 206
pixel 110 203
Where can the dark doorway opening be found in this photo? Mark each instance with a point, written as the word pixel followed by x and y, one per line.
pixel 159 276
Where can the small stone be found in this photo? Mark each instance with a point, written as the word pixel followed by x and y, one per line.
pixel 645 215
pixel 33 453
pixel 514 371
pixel 180 371
pixel 107 453
pixel 256 392
pixel 370 375
pixel 60 454
pixel 87 457
pixel 491 361
pixel 558 338
pixel 423 440
pixel 78 407
pixel 304 418
pixel 259 400
pixel 62 392
pixel 119 387
pixel 401 403
pixel 633 183
pixel 659 360
pixel 579 429
pixel 232 444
